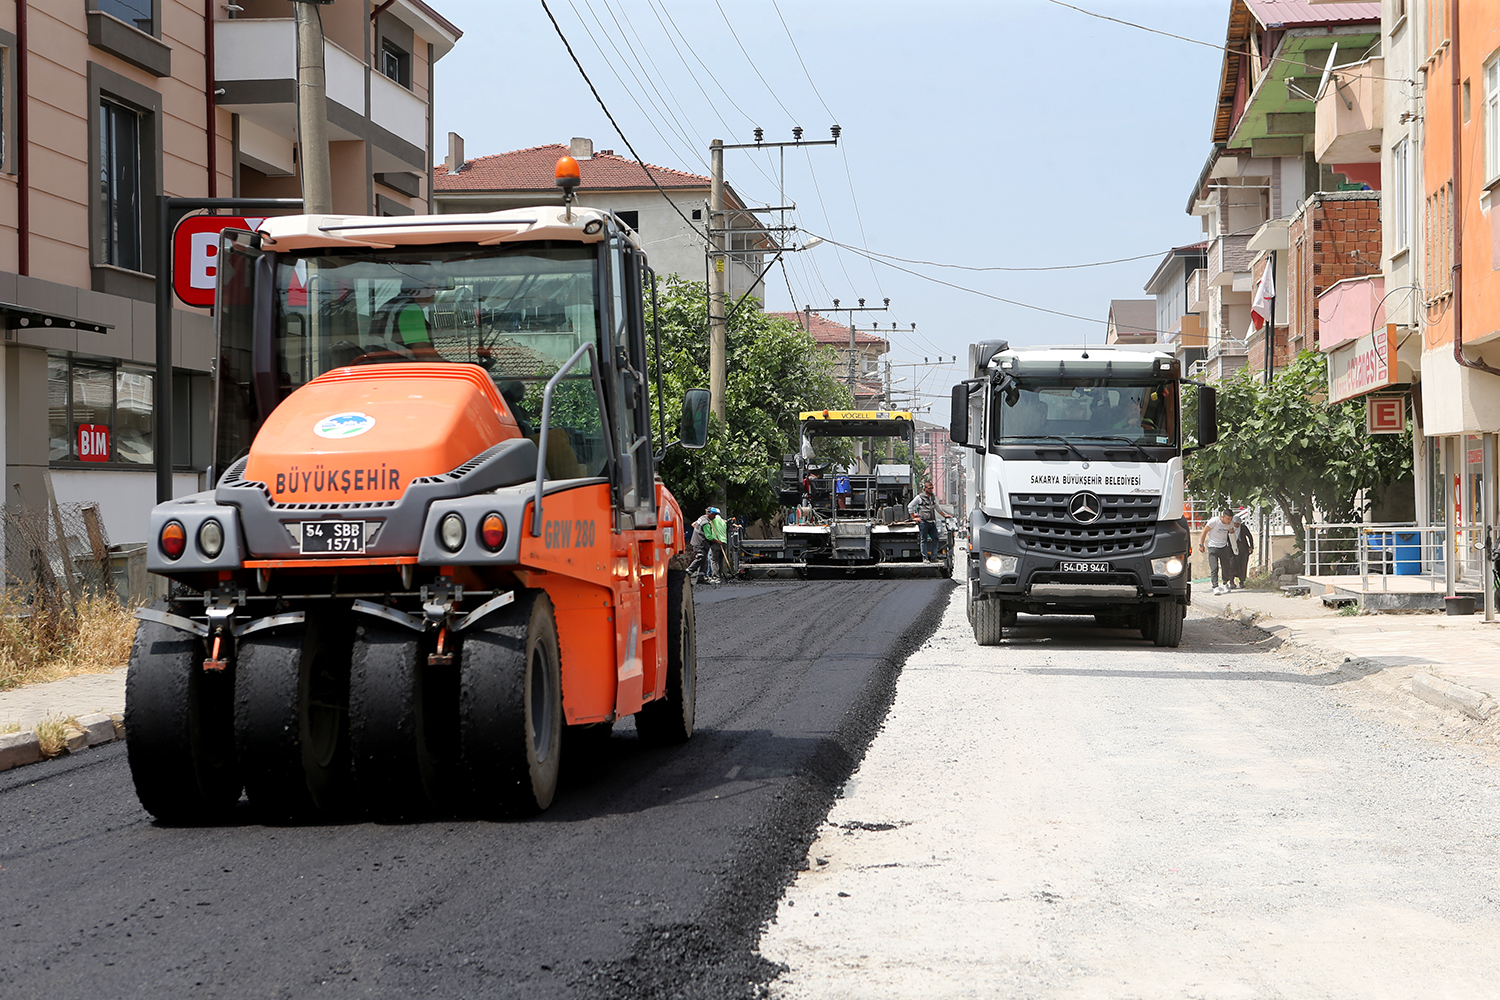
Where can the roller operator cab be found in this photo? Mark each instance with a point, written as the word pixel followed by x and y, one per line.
pixel 437 554
pixel 1074 484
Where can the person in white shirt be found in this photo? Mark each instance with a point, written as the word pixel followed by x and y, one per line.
pixel 1218 541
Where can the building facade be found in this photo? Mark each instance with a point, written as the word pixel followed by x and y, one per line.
pixel 109 104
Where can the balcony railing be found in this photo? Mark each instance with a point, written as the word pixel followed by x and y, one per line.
pixel 1228 256
pixel 1197 291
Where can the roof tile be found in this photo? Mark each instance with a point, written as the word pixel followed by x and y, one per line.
pixel 534 170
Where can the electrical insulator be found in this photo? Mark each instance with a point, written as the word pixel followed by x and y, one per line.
pixel 835 130
pixel 797 132
pixel 760 133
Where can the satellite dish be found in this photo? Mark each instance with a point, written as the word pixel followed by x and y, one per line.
pixel 1327 72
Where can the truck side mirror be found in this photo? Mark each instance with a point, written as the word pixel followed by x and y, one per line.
pixel 1208 416
pixel 958 420
pixel 692 430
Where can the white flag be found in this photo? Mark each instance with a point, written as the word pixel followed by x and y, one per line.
pixel 1265 293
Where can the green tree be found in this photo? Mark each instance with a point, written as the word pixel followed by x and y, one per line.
pixel 1284 443
pixel 775 371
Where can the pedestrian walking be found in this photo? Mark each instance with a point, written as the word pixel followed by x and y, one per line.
pixel 716 533
pixel 1244 540
pixel 924 510
pixel 1218 542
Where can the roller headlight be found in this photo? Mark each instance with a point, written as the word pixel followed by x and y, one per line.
pixel 451 532
pixel 492 531
pixel 998 565
pixel 173 540
pixel 1168 566
pixel 211 538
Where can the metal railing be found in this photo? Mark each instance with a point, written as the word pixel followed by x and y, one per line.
pixel 1387 549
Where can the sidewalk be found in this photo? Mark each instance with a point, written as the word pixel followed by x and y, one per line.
pixel 94 700
pixel 1455 660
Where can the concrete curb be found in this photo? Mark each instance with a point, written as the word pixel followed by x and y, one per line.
pixel 1445 694
pixel 1428 687
pixel 25 747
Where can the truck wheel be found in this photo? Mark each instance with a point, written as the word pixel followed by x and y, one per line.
pixel 290 720
pixel 395 772
pixel 510 716
pixel 988 616
pixel 180 722
pixel 669 719
pixel 1167 625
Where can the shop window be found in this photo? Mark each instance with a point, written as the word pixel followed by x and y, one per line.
pixel 99 411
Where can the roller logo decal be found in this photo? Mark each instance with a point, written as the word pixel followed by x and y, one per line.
pixel 323 482
pixel 343 425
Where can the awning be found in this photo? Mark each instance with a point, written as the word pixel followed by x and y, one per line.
pixel 24 318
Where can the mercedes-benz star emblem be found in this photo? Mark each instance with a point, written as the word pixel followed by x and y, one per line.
pixel 1085 507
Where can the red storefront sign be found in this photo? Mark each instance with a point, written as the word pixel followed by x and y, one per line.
pixel 93 442
pixel 195 254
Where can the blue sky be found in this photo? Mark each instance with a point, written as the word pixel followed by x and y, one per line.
pixel 1012 133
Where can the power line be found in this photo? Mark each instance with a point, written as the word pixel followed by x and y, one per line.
pixel 971 267
pixel 741 44
pixel 618 131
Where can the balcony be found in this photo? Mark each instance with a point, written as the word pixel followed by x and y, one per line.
pixel 1197 291
pixel 1349 115
pixel 1228 256
pixel 255 62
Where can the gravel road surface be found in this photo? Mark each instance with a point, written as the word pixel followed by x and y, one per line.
pixel 1080 814
pixel 650 877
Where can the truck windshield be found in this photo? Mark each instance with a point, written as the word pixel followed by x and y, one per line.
pixel 518 311
pixel 1143 413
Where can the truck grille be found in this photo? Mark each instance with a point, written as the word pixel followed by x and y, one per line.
pixel 1126 526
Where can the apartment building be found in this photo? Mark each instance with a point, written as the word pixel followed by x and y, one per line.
pixel 109 104
pixel 1178 290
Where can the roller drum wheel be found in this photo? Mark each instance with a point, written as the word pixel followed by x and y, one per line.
pixel 395 770
pixel 290 712
pixel 510 717
pixel 179 722
pixel 670 718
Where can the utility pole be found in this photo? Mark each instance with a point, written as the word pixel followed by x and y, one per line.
pixel 718 319
pixel 312 109
pixel 853 347
pixel 720 253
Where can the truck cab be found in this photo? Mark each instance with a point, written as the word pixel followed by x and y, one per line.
pixel 1074 486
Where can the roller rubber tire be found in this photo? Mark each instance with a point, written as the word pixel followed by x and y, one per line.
pixel 988 616
pixel 290 721
pixel 179 723
pixel 510 718
pixel 395 771
pixel 1167 625
pixel 670 718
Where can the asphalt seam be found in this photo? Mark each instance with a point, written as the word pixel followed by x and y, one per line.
pixel 25 747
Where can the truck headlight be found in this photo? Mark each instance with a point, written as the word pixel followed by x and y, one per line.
pixel 998 565
pixel 1168 566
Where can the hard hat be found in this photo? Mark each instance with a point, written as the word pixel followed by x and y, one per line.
pixel 713 510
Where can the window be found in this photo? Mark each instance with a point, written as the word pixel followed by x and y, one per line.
pixel 1439 241
pixel 1400 197
pixel 99 411
pixel 120 185
pixel 137 13
pixel 1491 112
pixel 631 219
pixel 395 63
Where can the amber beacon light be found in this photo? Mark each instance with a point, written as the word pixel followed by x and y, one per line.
pixel 567 179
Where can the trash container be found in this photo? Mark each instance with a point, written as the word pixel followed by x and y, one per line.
pixel 1379 547
pixel 1408 549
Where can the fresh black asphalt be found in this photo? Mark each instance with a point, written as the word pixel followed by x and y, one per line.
pixel 649 877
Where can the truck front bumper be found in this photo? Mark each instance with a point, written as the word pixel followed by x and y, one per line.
pixel 1042 583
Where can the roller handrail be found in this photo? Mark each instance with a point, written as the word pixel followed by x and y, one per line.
pixel 541 453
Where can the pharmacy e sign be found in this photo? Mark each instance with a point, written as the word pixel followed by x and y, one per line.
pixel 1385 414
pixel 1363 365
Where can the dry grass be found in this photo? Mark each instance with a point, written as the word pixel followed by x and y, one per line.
pixel 53 735
pixel 48 641
pixel 9 727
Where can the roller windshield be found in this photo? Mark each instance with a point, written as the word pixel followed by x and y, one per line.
pixel 519 312
pixel 1143 413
